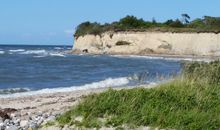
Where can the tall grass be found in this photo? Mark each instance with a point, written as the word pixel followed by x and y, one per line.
pixel 192 101
pixel 202 72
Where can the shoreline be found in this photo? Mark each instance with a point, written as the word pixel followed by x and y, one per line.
pixel 154 56
pixel 55 103
pixel 31 102
pixel 64 99
pixel 36 110
pixel 46 101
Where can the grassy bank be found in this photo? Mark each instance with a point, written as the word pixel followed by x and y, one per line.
pixel 191 101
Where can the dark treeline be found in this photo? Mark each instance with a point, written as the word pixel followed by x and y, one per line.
pixel 128 23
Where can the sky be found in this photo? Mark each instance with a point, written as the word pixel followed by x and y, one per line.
pixel 53 22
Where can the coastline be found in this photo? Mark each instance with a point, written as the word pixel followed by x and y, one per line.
pixel 154 56
pixel 149 43
pixel 64 100
pixel 55 103
pixel 37 110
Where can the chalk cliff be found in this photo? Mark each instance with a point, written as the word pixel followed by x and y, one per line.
pixel 143 43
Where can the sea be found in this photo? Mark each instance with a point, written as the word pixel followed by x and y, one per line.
pixel 29 70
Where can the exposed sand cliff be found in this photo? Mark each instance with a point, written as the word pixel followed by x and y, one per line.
pixel 143 43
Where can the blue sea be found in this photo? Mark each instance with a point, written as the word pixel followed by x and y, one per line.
pixel 27 70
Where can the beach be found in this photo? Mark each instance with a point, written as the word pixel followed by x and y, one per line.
pixel 35 111
pixel 39 109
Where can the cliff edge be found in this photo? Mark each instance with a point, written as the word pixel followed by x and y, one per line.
pixel 144 43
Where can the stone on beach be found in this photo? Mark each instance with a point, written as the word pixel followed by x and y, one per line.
pixel 23 123
pixel 12 128
pixel 4 115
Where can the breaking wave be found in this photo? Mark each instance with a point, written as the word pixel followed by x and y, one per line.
pixel 57 54
pixel 109 82
pixel 34 52
pixel 17 50
pixel 13 90
pixel 42 53
pixel 2 52
pixel 58 48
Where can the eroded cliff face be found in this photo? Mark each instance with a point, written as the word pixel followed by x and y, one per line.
pixel 143 43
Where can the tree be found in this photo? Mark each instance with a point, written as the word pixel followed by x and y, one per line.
pixel 168 22
pixel 131 22
pixel 197 23
pixel 154 21
pixel 185 18
pixel 177 24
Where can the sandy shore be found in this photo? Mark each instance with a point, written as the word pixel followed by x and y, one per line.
pixel 31 110
pixel 34 111
pixel 52 102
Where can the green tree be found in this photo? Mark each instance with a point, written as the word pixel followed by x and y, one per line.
pixel 197 23
pixel 130 22
pixel 185 18
pixel 176 24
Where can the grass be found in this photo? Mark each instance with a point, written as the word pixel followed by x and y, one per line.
pixel 184 103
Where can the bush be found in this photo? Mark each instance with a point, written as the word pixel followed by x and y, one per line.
pixel 132 23
pixel 121 43
pixel 176 24
pixel 88 28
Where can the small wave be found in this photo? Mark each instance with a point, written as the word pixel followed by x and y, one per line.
pixel 110 82
pixel 57 54
pixel 17 50
pixel 34 52
pixel 58 48
pixel 43 53
pixel 13 90
pixel 2 52
pixel 39 56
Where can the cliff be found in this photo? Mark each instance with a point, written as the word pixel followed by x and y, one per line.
pixel 144 43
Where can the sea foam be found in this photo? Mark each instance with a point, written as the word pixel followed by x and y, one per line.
pixel 17 50
pixel 109 82
pixel 2 52
pixel 13 90
pixel 34 52
pixel 57 54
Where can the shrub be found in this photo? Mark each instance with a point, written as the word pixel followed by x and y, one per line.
pixel 176 24
pixel 121 43
pixel 208 24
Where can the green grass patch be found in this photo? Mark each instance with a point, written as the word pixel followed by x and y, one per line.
pixel 184 103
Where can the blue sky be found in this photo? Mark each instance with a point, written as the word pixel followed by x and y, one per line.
pixel 53 21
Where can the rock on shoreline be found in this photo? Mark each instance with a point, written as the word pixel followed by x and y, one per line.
pixel 11 119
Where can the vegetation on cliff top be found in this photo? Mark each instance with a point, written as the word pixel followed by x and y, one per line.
pixel 191 101
pixel 132 23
